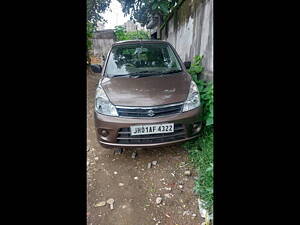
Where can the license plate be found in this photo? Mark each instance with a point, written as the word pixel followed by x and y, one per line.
pixel 152 129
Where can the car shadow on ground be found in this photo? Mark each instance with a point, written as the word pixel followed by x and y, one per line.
pixel 167 151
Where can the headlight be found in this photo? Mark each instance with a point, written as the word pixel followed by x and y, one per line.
pixel 193 99
pixel 103 105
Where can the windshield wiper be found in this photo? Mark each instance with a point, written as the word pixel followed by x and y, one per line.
pixel 121 75
pixel 171 71
pixel 135 74
pixel 146 73
pixel 143 74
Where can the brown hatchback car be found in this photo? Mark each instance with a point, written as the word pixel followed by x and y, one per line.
pixel 145 97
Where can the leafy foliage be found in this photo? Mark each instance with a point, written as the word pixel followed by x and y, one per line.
pixel 196 67
pixel 121 34
pixel 201 149
pixel 201 155
pixel 94 10
pixel 205 89
pixel 141 10
pixel 89 30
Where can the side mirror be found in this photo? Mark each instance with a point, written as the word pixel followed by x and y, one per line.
pixel 187 64
pixel 96 68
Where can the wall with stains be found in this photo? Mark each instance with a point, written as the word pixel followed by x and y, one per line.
pixel 190 31
pixel 102 42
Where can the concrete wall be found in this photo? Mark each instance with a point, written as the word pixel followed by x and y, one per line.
pixel 130 26
pixel 102 42
pixel 190 31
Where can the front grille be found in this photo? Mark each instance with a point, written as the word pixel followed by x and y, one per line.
pixel 124 136
pixel 149 112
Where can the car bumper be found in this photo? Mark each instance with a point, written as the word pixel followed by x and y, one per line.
pixel 187 127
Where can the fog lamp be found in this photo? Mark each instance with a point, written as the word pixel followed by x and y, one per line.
pixel 197 127
pixel 104 132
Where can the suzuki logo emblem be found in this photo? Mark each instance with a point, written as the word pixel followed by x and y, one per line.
pixel 151 113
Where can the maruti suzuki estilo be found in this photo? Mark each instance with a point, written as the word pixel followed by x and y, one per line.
pixel 145 97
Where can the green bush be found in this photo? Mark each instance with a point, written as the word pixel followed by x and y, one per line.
pixel 205 89
pixel 122 35
pixel 200 152
pixel 89 32
pixel 201 149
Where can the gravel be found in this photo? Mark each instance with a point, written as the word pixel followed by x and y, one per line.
pixel 100 204
pixel 158 200
pixel 133 155
pixel 187 173
pixel 168 195
pixel 111 203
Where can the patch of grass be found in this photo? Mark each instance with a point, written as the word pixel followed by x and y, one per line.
pixel 201 155
pixel 152 189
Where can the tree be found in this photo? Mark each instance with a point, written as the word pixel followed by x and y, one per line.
pixel 89 35
pixel 94 10
pixel 121 34
pixel 141 10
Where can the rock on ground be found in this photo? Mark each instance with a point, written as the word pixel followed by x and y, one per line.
pixel 158 200
pixel 187 173
pixel 100 204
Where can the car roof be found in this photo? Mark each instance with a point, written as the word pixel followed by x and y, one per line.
pixel 152 41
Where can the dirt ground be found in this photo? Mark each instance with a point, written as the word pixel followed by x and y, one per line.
pixel 135 187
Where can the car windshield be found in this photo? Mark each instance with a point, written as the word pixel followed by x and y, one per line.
pixel 142 59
